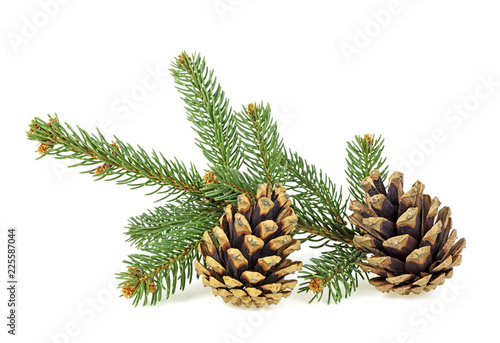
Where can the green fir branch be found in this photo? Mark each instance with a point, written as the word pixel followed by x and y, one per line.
pixel 160 272
pixel 208 109
pixel 169 237
pixel 364 154
pixel 161 223
pixel 229 184
pixel 169 243
pixel 261 144
pixel 243 150
pixel 335 272
pixel 317 201
pixel 117 161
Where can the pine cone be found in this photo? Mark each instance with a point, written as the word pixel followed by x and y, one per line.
pixel 247 262
pixel 413 249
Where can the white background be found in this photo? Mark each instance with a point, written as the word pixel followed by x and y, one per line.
pixel 406 76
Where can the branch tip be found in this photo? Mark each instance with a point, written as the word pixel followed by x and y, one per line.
pixel 316 285
pixel 43 148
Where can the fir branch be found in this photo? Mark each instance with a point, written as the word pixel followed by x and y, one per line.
pixel 169 236
pixel 229 184
pixel 117 161
pixel 163 270
pixel 261 144
pixel 364 154
pixel 208 109
pixel 159 224
pixel 170 246
pixel 337 271
pixel 318 203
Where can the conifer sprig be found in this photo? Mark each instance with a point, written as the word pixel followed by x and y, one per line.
pixel 320 205
pixel 162 222
pixel 335 271
pixel 229 183
pixel 262 148
pixel 116 161
pixel 243 150
pixel 208 109
pixel 159 271
pixel 364 154
pixel 169 238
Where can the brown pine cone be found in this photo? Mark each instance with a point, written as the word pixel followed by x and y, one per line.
pixel 412 243
pixel 246 256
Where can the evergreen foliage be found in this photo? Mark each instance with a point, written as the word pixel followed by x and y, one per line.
pixel 337 271
pixel 364 154
pixel 242 149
